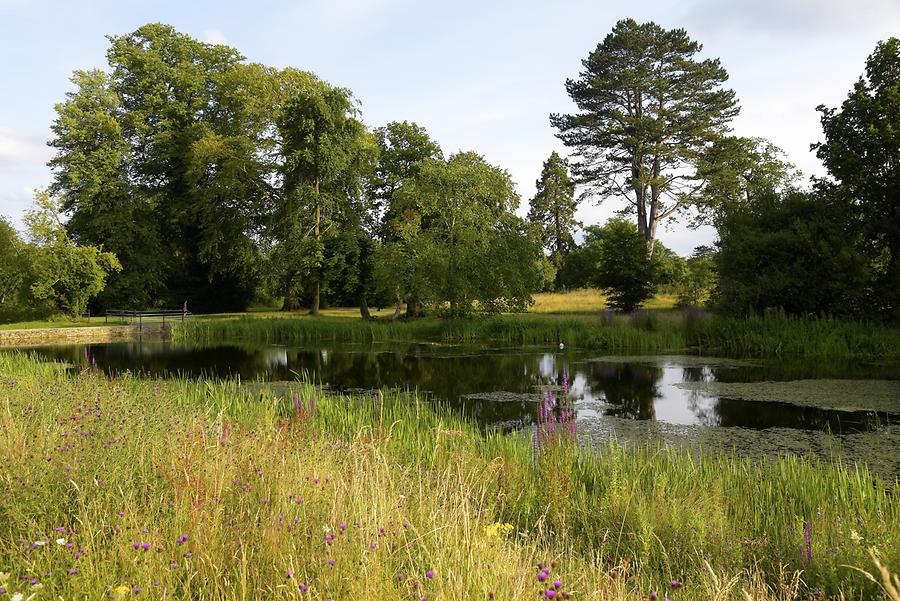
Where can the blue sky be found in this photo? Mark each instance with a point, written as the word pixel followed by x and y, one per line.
pixel 478 75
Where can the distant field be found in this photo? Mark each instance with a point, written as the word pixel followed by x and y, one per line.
pixel 586 300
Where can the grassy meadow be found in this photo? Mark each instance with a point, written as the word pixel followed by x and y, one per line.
pixel 115 488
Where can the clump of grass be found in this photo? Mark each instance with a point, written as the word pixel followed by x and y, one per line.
pixel 199 489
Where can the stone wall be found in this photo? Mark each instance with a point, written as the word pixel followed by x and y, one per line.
pixel 85 335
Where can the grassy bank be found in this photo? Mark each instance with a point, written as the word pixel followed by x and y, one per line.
pixel 177 489
pixel 773 334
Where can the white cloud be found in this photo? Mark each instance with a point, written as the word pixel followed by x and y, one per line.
pixel 214 36
pixel 14 203
pixel 21 147
pixel 794 16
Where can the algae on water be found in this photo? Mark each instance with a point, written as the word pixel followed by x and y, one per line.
pixel 837 395
pixel 679 360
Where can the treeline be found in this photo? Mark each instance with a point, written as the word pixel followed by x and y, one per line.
pixel 652 130
pixel 222 183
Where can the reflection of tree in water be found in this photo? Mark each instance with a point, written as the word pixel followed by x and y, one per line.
pixel 631 389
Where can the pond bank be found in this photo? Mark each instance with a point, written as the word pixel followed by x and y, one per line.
pixel 83 335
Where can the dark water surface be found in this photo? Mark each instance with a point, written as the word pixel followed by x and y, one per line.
pixel 501 386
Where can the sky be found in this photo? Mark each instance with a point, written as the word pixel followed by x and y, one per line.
pixel 480 76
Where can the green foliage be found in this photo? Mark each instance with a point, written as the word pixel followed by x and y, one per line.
pixel 327 154
pixel 624 268
pixel 666 267
pixel 698 279
pixel 647 110
pixel 737 170
pixel 579 270
pixel 798 252
pixel 15 268
pixel 65 275
pixel 454 240
pixel 862 152
pixel 553 208
pixel 166 161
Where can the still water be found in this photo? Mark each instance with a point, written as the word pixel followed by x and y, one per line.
pixel 501 386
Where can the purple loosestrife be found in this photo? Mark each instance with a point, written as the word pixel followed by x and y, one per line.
pixel 807 537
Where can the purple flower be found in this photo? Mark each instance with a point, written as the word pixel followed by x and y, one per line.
pixel 429 574
pixel 557 584
pixel 550 593
pixel 542 576
pixel 675 584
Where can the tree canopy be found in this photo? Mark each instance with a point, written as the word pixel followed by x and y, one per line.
pixel 861 151
pixel 648 108
pixel 553 207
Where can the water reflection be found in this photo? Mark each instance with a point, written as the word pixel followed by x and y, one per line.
pixel 499 386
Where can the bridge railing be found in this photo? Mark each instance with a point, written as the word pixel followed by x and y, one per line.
pixel 150 316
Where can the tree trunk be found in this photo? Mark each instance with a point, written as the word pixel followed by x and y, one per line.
pixel 654 207
pixel 314 309
pixel 414 307
pixel 399 303
pixel 364 306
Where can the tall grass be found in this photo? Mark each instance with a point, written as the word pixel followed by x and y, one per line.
pixel 771 334
pixel 239 495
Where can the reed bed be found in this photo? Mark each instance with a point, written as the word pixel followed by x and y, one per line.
pixel 179 489
pixel 769 335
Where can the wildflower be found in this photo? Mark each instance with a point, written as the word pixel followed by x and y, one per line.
pixel 331 562
pixel 499 530
pixel 429 574
pixel 290 574
pixel 675 584
pixel 557 584
pixel 550 593
pixel 60 541
pixel 73 571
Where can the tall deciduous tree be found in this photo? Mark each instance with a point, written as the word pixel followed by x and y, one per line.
pixel 167 161
pixel 324 148
pixel 404 148
pixel 553 208
pixel 862 152
pixel 647 109
pixel 457 240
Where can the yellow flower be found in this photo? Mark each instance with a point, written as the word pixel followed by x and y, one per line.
pixel 120 592
pixel 498 529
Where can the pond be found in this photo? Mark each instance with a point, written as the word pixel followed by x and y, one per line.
pixel 824 408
